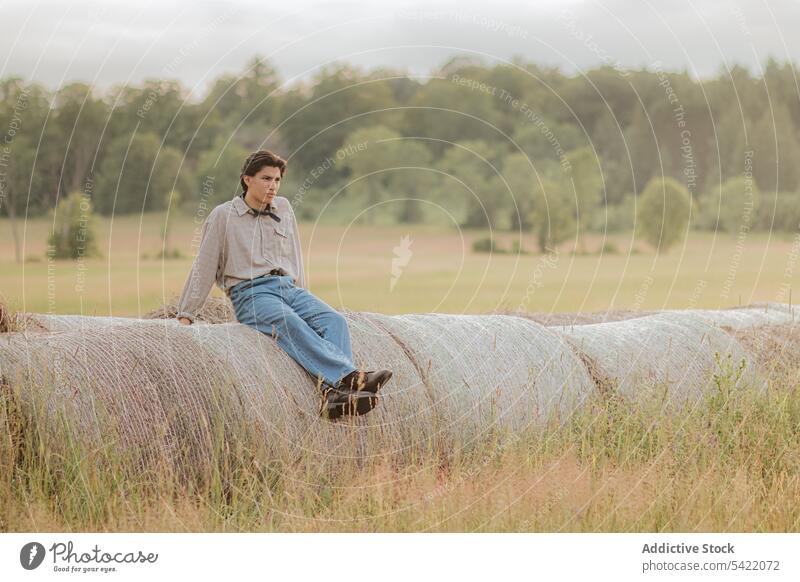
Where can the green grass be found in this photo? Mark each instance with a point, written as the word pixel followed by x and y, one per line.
pixel 352 268
pixel 730 463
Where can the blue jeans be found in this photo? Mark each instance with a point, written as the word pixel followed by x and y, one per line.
pixel 314 334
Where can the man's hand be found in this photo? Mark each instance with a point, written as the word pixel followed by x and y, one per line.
pixel 185 320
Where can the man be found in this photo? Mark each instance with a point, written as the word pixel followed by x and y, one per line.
pixel 251 247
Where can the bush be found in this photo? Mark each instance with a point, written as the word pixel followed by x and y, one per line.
pixel 73 229
pixel 780 212
pixel 620 216
pixel 663 213
pixel 739 205
pixel 484 245
pixel 517 248
pixel 609 248
pixel 553 215
pixel 169 254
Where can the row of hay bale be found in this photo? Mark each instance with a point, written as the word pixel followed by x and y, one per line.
pixel 161 391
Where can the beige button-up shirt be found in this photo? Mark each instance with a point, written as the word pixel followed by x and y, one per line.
pixel 236 246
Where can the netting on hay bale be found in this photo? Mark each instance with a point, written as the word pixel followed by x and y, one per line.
pixel 562 319
pixel 122 388
pixel 677 352
pixel 482 372
pixel 776 350
pixel 743 317
pixel 163 391
pixel 258 383
pixel 154 379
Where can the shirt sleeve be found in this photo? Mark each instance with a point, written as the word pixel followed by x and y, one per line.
pixel 298 252
pixel 204 269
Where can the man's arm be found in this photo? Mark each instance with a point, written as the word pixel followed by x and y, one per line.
pixel 204 270
pixel 298 252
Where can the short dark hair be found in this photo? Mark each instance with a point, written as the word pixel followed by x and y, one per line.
pixel 258 160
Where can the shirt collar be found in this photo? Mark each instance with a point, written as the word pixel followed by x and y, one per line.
pixel 242 208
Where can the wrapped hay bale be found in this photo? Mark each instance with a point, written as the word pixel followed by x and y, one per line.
pixel 741 317
pixel 152 377
pixel 674 355
pixel 126 389
pixel 754 314
pixel 164 392
pixel 776 351
pixel 482 372
pixel 562 319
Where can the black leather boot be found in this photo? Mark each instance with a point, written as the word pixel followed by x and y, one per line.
pixel 369 381
pixel 337 402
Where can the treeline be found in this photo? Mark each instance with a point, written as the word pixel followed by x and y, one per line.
pixel 475 145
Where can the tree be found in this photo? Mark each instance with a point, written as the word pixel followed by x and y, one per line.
pixel 17 179
pixel 319 118
pixel 585 177
pixel 546 139
pixel 739 205
pixel 663 212
pixel 518 173
pixel 218 170
pixel 447 113
pixel 372 155
pixel 247 97
pixel 169 219
pixel 553 214
pixel 782 214
pixel 78 122
pixel 646 158
pixel 383 165
pixel 412 178
pixel 608 140
pixel 137 175
pixel 23 109
pixel 776 150
pixel 485 198
pixel 73 234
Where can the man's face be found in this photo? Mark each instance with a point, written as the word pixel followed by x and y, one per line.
pixel 263 187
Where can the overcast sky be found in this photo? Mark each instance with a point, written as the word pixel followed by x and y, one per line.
pixel 105 42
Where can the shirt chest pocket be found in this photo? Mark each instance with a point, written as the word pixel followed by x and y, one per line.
pixel 275 240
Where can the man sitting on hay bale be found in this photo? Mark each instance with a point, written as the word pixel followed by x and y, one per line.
pixel 250 246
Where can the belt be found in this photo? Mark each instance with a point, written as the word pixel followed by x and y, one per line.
pixel 278 272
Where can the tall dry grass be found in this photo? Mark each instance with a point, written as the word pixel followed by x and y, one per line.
pixel 728 463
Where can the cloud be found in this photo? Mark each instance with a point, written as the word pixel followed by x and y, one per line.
pixel 116 42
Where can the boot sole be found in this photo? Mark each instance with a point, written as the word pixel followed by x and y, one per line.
pixel 357 404
pixel 365 400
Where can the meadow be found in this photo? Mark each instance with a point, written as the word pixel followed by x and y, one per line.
pixel 351 267
pixel 730 463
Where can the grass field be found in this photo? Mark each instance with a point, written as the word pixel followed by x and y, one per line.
pixel 731 463
pixel 351 267
pixel 728 464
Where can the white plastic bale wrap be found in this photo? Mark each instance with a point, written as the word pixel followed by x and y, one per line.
pixel 483 371
pixel 674 352
pixel 374 349
pixel 742 317
pixel 270 389
pixel 119 386
pixel 154 386
pixel 776 349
